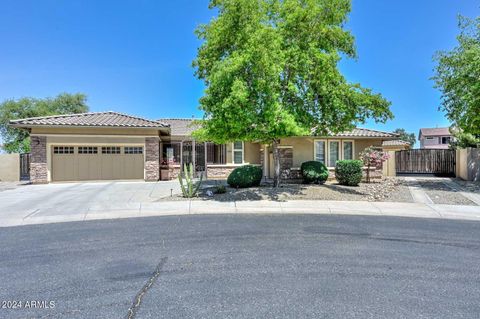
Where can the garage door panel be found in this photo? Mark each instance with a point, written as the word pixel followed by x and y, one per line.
pixel 65 168
pixel 96 165
pixel 134 166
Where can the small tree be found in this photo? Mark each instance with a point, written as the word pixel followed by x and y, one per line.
pixel 17 140
pixel 372 157
pixel 271 71
pixel 457 76
pixel 406 137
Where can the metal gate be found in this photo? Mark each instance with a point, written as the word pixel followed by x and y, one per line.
pixel 25 166
pixel 425 161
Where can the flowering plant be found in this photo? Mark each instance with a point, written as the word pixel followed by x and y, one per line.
pixel 372 157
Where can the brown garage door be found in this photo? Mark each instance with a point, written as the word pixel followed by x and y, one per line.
pixel 84 163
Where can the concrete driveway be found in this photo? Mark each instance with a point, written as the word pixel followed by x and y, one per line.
pixel 74 200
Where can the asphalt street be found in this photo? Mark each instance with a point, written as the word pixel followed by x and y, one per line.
pixel 242 266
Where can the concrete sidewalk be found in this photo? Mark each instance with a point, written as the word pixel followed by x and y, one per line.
pixel 166 208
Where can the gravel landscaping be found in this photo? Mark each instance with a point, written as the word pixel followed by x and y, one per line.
pixel 388 189
pixel 472 187
pixel 440 193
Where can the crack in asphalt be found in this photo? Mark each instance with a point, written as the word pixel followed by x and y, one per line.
pixel 137 301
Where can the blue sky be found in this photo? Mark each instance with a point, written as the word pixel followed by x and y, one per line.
pixel 135 56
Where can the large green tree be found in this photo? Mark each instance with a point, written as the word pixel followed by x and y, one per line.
pixel 405 136
pixel 17 140
pixel 271 71
pixel 457 75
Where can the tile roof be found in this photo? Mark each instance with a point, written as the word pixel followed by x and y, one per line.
pixel 184 127
pixel 444 131
pixel 180 127
pixel 364 132
pixel 395 143
pixel 100 119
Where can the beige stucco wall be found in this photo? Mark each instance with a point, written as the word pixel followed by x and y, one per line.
pixel 461 164
pixel 9 167
pixel 252 153
pixel 303 147
pixel 389 168
pixel 468 164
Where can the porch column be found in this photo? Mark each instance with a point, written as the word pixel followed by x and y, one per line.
pixel 264 160
pixel 194 155
pixel 152 158
pixel 205 152
pixel 38 160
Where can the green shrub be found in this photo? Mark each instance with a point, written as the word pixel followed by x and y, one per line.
pixel 349 172
pixel 220 189
pixel 245 176
pixel 314 172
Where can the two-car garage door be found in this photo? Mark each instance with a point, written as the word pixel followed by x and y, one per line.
pixel 83 163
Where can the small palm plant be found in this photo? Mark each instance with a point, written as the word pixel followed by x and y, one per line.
pixel 189 188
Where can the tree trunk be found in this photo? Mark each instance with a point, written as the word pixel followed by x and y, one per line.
pixel 276 163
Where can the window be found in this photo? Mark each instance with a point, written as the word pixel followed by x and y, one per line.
pixel 429 138
pixel 334 153
pixel 111 150
pixel 347 150
pixel 446 139
pixel 171 153
pixel 320 151
pixel 87 150
pixel 133 150
pixel 238 153
pixel 216 153
pixel 63 150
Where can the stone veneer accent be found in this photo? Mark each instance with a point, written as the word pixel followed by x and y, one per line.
pixel 152 159
pixel 286 162
pixel 38 160
pixel 170 172
pixel 214 172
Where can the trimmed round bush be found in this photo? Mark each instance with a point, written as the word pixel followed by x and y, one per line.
pixel 314 172
pixel 245 176
pixel 349 172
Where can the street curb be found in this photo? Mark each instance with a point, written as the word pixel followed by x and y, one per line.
pixel 202 207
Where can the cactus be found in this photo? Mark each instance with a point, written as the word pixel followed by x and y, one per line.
pixel 190 188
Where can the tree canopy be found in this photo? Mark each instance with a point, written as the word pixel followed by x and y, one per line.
pixel 457 75
pixel 405 136
pixel 17 140
pixel 271 70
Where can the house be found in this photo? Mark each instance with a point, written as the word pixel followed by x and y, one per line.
pixel 115 146
pixel 435 138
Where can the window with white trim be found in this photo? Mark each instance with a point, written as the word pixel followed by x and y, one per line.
pixel 347 150
pixel 133 150
pixel 111 150
pixel 237 152
pixel 87 150
pixel 333 153
pixel 63 150
pixel 320 151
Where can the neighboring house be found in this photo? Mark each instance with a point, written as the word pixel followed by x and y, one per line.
pixel 114 146
pixel 435 138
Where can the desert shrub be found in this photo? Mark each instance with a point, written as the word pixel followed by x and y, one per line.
pixel 220 189
pixel 245 176
pixel 349 172
pixel 314 172
pixel 189 187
